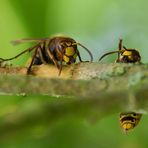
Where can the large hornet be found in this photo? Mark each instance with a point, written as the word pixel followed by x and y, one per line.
pixel 55 50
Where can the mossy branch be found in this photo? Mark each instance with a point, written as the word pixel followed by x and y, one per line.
pixel 85 80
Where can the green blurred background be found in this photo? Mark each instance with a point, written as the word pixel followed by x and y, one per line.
pixel 98 24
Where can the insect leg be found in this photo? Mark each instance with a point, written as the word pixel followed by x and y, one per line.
pixel 127 49
pixel 60 68
pixel 41 55
pixel 52 57
pixel 78 53
pixel 120 44
pixel 27 50
pixel 61 53
pixel 120 47
pixel 34 55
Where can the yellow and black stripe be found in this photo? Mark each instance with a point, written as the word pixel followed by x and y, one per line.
pixel 128 120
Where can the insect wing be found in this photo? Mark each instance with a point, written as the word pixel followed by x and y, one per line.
pixel 28 40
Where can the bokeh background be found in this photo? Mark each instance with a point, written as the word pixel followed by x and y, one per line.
pixel 98 24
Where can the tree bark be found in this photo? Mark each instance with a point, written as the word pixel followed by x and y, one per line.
pixel 83 80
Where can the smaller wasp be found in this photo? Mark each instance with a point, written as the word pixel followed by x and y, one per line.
pixel 54 50
pixel 128 120
pixel 125 55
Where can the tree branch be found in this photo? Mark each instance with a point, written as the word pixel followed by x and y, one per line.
pixel 101 78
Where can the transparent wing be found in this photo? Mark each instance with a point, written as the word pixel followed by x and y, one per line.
pixel 27 40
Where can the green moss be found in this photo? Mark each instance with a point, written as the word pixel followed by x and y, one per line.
pixel 135 79
pixel 115 71
pixel 118 71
